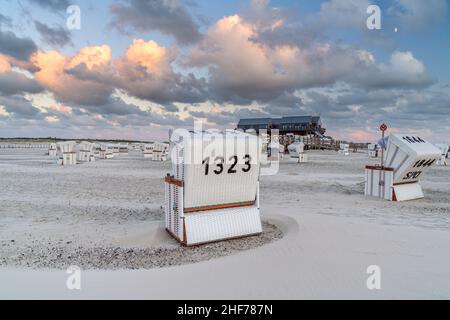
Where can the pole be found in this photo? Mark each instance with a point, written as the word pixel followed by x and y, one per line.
pixel 382 150
pixel 383 128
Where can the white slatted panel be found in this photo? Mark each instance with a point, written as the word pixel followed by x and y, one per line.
pixel 409 191
pixel 216 225
pixel 378 183
pixel 167 203
pixel 203 189
pixel 69 159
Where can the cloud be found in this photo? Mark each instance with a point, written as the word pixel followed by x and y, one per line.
pixel 228 118
pixel 263 62
pixel 51 73
pixel 145 71
pixel 347 111
pixel 166 16
pixel 5 65
pixel 238 66
pixel 90 77
pixel 115 106
pixel 165 120
pixel 351 15
pixel 147 57
pixel 4 20
pixel 343 13
pixel 13 82
pixel 350 113
pixel 334 19
pixel 56 36
pixel 361 135
pixel 416 15
pixel 286 104
pixel 242 66
pixel 19 105
pixel 403 70
pixel 20 48
pixel 36 117
pixel 51 119
pixel 60 108
pixel 53 5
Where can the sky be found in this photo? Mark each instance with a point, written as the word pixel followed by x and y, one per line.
pixel 133 69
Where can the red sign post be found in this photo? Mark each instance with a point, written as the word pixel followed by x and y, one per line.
pixel 383 128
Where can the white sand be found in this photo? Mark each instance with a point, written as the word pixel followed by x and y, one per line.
pixel 331 233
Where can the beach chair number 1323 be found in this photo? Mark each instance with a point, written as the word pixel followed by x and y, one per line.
pixel 219 165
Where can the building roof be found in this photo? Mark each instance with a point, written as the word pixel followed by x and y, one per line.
pixel 254 121
pixel 277 121
pixel 294 119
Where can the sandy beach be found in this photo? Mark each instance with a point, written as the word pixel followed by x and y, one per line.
pixel 320 234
